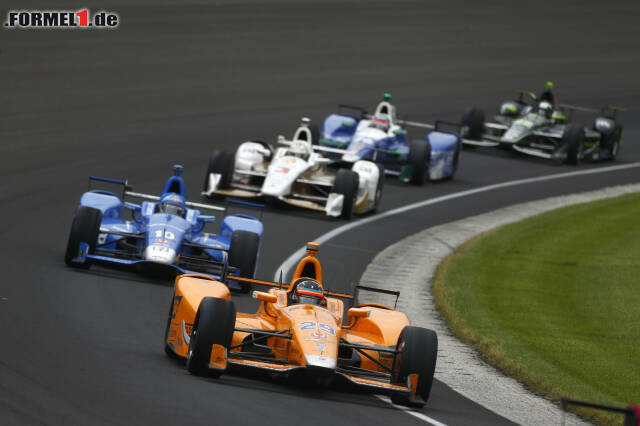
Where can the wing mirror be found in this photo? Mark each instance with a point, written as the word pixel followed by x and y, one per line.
pixel 131 206
pixel 265 297
pixel 206 219
pixel 399 132
pixel 358 313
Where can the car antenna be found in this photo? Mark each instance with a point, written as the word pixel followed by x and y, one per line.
pixel 281 283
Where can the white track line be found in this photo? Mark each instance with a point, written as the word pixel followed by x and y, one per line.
pixel 408 410
pixel 293 259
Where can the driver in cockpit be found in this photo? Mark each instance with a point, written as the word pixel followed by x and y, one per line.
pixel 546 109
pixel 308 292
pixel 300 149
pixel 547 95
pixel 170 207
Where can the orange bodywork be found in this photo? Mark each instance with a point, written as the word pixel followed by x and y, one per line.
pixel 298 336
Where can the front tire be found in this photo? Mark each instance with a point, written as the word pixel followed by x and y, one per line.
pixel 243 254
pixel 378 195
pixel 573 139
pixel 214 324
pixel 347 183
pixel 418 158
pixel 220 162
pixel 84 229
pixel 417 353
pixel 473 119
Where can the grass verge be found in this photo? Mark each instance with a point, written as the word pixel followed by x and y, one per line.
pixel 554 301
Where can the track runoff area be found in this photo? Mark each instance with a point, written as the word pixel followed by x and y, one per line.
pixel 287 266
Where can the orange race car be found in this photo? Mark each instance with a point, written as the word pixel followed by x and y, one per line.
pixel 298 328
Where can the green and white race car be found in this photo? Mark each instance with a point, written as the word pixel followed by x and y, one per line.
pixel 542 130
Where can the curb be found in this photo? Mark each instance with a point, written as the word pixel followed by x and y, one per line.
pixel 413 262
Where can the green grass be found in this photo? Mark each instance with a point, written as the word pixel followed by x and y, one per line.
pixel 555 301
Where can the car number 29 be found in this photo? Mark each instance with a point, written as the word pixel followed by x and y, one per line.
pixel 310 325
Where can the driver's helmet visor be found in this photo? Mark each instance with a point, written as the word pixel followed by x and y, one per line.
pixel 380 124
pixel 310 296
pixel 170 208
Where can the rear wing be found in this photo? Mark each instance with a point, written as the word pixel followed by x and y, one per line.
pixel 209 267
pixel 606 111
pixel 522 94
pixel 123 183
pixel 362 111
pixel 358 287
pixel 285 286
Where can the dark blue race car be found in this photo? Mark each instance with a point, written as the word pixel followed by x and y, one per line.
pixel 165 233
pixel 381 138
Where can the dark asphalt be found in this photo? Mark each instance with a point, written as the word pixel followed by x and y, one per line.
pixel 176 81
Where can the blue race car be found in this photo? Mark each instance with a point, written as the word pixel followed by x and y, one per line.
pixel 165 233
pixel 380 138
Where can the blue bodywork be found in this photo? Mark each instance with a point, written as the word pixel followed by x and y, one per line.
pixel 344 131
pixel 138 234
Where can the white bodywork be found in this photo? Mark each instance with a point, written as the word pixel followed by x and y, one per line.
pixel 290 169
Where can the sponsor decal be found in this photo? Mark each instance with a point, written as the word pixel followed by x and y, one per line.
pixel 61 19
pixel 310 325
pixel 317 335
pixel 320 346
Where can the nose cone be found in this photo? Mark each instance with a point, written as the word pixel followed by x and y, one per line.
pixel 160 254
pixel 350 157
pixel 277 185
pixel 321 361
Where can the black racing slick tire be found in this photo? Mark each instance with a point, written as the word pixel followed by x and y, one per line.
pixel 417 350
pixel 379 187
pixel 418 158
pixel 347 183
pixel 84 229
pixel 220 162
pixel 315 134
pixel 214 324
pixel 473 119
pixel 613 142
pixel 573 139
pixel 243 254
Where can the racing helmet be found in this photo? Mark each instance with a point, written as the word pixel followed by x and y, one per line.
pixel 171 204
pixel 545 108
pixel 308 291
pixel 381 122
pixel 300 149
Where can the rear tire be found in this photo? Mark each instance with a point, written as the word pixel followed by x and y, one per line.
pixel 84 229
pixel 243 254
pixel 214 324
pixel 473 118
pixel 379 187
pixel 220 162
pixel 613 142
pixel 315 134
pixel 573 139
pixel 456 159
pixel 418 351
pixel 347 183
pixel 418 158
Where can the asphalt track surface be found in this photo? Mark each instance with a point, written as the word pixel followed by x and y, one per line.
pixel 174 82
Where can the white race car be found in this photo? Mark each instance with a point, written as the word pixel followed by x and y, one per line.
pixel 295 174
